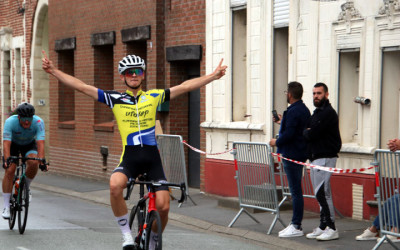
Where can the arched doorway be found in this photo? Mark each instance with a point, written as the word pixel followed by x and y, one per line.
pixel 40 80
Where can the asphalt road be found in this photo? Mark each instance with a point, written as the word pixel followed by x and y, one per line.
pixel 62 222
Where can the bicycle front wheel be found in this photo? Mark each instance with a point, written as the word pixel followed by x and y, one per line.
pixel 136 221
pixel 23 204
pixel 13 210
pixel 154 226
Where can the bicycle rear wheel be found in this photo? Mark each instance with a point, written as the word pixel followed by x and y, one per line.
pixel 154 224
pixel 23 202
pixel 13 210
pixel 136 221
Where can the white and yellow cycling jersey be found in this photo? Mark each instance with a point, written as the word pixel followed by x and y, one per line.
pixel 135 116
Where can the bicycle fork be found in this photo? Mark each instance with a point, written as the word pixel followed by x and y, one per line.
pixel 151 207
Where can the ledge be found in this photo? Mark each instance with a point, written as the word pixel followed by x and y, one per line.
pixel 355 148
pixel 232 125
pixel 67 124
pixel 372 203
pixel 105 126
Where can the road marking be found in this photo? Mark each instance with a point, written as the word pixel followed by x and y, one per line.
pixel 22 248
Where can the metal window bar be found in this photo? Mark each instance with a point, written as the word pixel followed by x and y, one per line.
pixel 306 184
pixel 387 193
pixel 173 160
pixel 255 180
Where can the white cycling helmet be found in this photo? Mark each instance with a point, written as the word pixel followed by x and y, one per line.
pixel 131 61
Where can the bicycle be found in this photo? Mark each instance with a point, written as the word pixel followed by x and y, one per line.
pixel 142 221
pixel 19 200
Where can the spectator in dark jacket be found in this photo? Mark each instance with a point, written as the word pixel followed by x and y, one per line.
pixel 291 144
pixel 323 136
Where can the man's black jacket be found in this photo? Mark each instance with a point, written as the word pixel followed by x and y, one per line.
pixel 322 133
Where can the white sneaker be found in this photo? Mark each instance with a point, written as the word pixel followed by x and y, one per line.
pixel 315 233
pixel 291 231
pixel 329 234
pixel 367 235
pixel 30 196
pixel 392 238
pixel 128 240
pixel 286 228
pixel 6 213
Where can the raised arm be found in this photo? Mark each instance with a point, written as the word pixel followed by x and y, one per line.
pixel 196 83
pixel 68 80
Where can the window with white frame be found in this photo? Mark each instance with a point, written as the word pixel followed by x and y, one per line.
pixel 239 71
pixel 18 75
pixel 6 80
pixel 390 96
pixel 349 61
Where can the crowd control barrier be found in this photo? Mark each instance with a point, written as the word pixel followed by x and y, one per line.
pixel 387 174
pixel 255 178
pixel 306 185
pixel 173 160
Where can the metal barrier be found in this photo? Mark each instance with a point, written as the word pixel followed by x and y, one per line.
pixel 387 174
pixel 306 185
pixel 255 178
pixel 173 159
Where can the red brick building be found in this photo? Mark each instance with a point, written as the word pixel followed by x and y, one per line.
pixel 87 39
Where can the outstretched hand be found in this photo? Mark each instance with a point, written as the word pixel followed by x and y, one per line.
pixel 47 65
pixel 220 70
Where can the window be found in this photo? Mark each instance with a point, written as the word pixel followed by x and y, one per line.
pixel 281 40
pixel 390 100
pixel 239 62
pixel 5 74
pixel 18 73
pixel 349 62
pixel 103 79
pixel 66 95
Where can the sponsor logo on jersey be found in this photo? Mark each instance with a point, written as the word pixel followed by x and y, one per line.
pixel 126 100
pixel 144 98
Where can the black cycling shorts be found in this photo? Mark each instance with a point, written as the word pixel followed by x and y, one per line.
pixel 24 150
pixel 137 160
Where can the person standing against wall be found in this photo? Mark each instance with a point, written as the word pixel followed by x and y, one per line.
pixel 324 143
pixel 291 144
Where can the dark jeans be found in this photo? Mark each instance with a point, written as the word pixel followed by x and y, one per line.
pixel 294 173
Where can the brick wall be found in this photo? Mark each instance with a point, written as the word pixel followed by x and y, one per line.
pixel 20 24
pixel 172 23
pixel 75 142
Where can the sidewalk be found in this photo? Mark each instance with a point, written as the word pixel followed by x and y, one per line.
pixel 210 215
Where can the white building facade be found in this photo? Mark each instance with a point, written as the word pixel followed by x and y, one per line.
pixel 351 45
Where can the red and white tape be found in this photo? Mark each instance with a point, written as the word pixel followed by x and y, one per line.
pixel 279 156
pixel 205 153
pixel 332 170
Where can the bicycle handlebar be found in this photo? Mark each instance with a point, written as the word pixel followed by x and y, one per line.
pixel 181 186
pixel 14 159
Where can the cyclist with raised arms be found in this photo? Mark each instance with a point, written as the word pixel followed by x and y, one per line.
pixel 135 113
pixel 23 134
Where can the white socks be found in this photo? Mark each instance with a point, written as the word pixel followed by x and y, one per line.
pixel 6 197
pixel 123 222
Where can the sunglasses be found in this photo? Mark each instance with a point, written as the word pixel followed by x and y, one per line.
pixel 130 72
pixel 26 119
